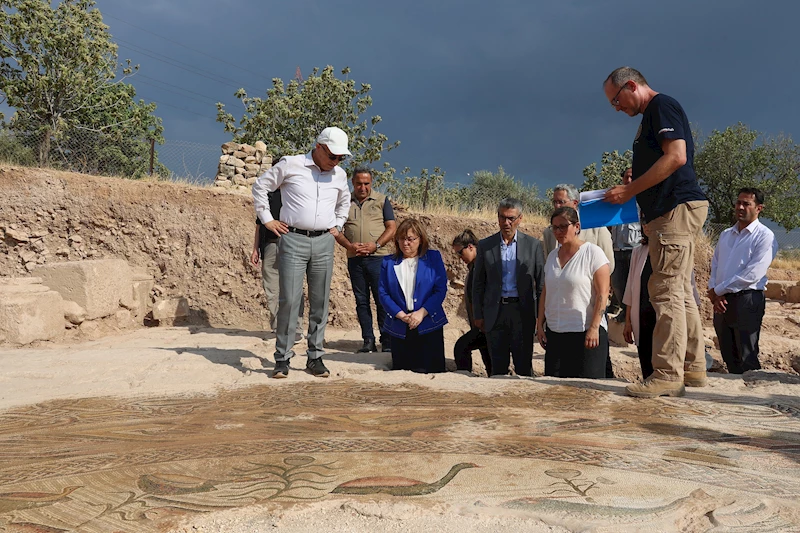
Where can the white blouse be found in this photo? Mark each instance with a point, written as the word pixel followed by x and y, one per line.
pixel 406 273
pixel 569 302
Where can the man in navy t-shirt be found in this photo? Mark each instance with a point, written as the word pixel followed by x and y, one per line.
pixel 675 208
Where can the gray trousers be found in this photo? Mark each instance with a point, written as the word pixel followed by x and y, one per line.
pixel 269 280
pixel 312 257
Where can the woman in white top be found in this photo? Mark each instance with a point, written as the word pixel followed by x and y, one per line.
pixel 573 303
pixel 412 288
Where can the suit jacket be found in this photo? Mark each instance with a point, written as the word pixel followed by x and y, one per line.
pixel 487 284
pixel 430 288
pixel 599 236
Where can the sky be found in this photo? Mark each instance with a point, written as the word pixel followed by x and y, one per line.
pixel 472 85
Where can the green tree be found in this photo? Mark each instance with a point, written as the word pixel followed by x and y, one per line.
pixel 741 157
pixel 488 188
pixel 291 116
pixel 612 164
pixel 58 70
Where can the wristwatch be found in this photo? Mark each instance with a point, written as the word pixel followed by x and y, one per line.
pixel 338 228
pixel 378 246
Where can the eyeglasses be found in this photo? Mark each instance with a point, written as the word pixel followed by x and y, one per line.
pixel 501 218
pixel 615 100
pixel 560 227
pixel 332 156
pixel 408 238
pixel 559 203
pixel 461 251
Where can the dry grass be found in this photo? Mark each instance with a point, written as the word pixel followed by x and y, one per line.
pixel 489 215
pixel 787 260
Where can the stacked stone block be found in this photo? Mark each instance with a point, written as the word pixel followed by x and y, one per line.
pixel 240 164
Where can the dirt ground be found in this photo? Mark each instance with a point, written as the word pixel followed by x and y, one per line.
pixel 196 243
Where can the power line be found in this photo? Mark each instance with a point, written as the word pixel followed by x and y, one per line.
pixel 140 75
pixel 176 92
pixel 179 108
pixel 179 64
pixel 227 62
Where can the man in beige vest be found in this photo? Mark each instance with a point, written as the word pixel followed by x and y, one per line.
pixel 369 228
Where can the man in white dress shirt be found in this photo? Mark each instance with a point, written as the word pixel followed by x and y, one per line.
pixel 738 279
pixel 316 202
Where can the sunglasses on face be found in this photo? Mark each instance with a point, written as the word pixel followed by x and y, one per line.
pixel 332 156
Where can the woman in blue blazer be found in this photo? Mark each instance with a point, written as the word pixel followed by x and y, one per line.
pixel 412 288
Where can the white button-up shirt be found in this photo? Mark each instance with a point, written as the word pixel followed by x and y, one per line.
pixel 741 259
pixel 312 199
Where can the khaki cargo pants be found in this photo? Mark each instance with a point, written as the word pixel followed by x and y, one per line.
pixel 678 337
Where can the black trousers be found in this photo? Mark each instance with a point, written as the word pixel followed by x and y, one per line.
pixel 511 338
pixel 567 357
pixel 739 328
pixel 647 324
pixel 419 353
pixel 472 340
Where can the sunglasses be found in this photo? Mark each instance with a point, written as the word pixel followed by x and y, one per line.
pixel 560 227
pixel 332 156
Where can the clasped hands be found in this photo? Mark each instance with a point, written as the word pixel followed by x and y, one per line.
pixel 413 319
pixel 363 248
pixel 719 301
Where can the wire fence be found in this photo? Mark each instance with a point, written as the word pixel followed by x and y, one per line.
pixel 91 152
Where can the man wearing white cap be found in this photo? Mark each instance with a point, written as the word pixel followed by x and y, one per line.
pixel 316 203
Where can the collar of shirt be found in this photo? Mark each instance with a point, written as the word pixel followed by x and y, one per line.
pixel 750 228
pixel 370 197
pixel 503 241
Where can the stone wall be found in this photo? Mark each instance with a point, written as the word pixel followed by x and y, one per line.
pixel 240 164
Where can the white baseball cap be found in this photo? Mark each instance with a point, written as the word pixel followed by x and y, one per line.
pixel 335 139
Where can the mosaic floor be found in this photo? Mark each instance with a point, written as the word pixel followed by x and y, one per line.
pixel 576 455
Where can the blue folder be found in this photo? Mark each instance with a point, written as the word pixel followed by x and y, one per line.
pixel 595 212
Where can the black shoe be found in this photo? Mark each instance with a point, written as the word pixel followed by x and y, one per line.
pixel 386 347
pixel 369 346
pixel 281 369
pixel 316 368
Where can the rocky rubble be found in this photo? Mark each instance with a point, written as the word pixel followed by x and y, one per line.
pixel 240 164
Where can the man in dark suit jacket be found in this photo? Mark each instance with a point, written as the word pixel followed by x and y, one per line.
pixel 508 280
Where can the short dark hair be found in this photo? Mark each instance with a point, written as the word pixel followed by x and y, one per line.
pixel 465 238
pixel 567 212
pixel 623 75
pixel 363 169
pixel 758 193
pixel 411 224
pixel 622 174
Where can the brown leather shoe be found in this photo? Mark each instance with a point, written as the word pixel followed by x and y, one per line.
pixel 653 388
pixel 695 379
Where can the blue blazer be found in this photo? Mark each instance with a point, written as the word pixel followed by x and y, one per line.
pixel 430 289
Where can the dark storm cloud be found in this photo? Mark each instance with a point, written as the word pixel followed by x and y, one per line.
pixel 474 85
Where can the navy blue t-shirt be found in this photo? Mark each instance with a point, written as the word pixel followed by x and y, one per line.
pixel 664 118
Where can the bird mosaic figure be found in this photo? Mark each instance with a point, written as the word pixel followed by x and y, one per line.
pixel 17 501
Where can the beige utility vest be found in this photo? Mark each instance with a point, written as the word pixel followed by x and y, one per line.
pixel 365 222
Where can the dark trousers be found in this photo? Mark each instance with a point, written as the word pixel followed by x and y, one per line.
pixel 622 265
pixel 738 330
pixel 511 338
pixel 474 339
pixel 365 273
pixel 566 355
pixel 419 353
pixel 647 324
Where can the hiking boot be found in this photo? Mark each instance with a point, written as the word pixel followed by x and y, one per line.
pixel 281 369
pixel 653 388
pixel 369 346
pixel 316 368
pixel 695 379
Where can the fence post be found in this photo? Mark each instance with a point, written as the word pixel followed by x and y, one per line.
pixel 152 154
